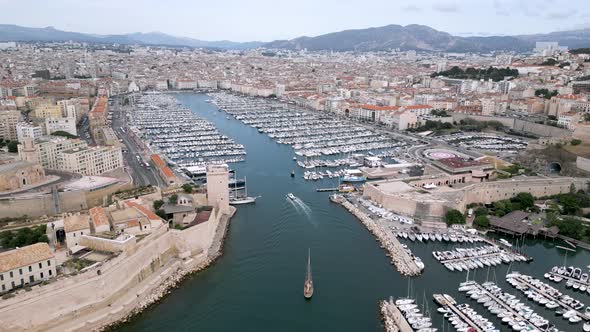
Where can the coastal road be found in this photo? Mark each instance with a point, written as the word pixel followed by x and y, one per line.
pixel 143 174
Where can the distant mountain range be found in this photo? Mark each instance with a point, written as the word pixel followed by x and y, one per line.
pixel 10 32
pixel 409 37
pixel 424 38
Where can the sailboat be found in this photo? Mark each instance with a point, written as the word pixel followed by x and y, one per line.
pixel 308 285
pixel 239 200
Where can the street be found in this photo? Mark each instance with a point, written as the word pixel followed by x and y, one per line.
pixel 140 170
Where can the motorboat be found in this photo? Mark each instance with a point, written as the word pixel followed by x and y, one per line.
pixel 291 196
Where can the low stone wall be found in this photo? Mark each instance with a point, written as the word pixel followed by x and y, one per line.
pixel 107 245
pixel 41 204
pixel 518 125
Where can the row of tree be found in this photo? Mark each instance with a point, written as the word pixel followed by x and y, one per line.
pixel 495 74
pixel 24 236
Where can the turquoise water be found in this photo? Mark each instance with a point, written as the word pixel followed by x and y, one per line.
pixel 257 285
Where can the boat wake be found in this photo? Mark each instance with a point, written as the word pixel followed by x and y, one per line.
pixel 300 206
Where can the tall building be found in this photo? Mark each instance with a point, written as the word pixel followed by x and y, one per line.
pixel 61 124
pixel 91 160
pixel 46 152
pixel 28 130
pixel 218 187
pixel 8 121
pixel 97 117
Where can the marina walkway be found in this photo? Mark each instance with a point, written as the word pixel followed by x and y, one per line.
pixel 549 297
pixel 443 301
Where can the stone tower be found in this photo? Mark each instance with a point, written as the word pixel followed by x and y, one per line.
pixel 27 150
pixel 218 187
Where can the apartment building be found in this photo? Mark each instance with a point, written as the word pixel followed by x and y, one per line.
pixel 44 111
pixel 25 266
pixel 46 152
pixel 8 121
pixel 91 160
pixel 61 124
pixel 28 130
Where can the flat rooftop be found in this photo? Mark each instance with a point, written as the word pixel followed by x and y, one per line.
pixel 91 182
pixel 393 187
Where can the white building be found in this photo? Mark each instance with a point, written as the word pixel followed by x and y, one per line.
pixel 28 130
pixel 61 124
pixel 46 152
pixel 91 160
pixel 25 266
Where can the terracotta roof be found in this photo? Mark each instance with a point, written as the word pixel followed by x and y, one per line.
pixel 417 107
pixel 158 161
pixel 167 172
pixel 24 256
pixel 133 223
pixel 99 216
pixel 379 108
pixel 145 211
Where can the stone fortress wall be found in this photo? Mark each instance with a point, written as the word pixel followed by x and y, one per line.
pixel 68 299
pixel 428 205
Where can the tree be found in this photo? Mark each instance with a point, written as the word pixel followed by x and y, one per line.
pixel 502 207
pixel 569 203
pixel 187 187
pixel 526 200
pixel 158 204
pixel 481 222
pixel 481 211
pixel 173 199
pixel 454 217
pixel 161 213
pixel 13 146
pixel 575 142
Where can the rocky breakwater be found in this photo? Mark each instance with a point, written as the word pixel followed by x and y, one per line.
pixel 389 323
pixel 400 256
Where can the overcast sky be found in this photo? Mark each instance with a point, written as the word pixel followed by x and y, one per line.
pixel 265 20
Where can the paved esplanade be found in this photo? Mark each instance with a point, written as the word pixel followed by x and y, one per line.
pixel 257 284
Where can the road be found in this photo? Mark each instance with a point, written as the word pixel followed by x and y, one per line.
pixel 142 175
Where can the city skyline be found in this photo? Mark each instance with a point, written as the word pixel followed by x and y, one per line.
pixel 226 21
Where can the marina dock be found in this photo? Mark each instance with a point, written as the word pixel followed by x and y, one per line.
pixel 448 302
pixel 491 291
pixel 547 292
pixel 321 190
pixel 400 257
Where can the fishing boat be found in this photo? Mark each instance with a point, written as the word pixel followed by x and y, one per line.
pixel 308 285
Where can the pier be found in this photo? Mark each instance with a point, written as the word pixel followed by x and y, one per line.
pixel 321 190
pixel 515 313
pixel 393 319
pixel 555 296
pixel 587 284
pixel 402 260
pixel 445 301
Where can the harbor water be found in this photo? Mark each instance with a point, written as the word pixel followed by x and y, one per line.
pixel 257 285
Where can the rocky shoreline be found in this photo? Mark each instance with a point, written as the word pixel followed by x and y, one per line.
pixel 171 283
